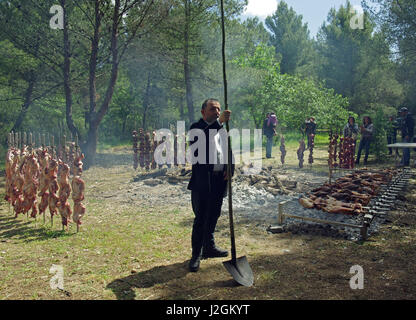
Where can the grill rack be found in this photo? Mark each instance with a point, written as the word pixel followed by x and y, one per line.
pixel 378 206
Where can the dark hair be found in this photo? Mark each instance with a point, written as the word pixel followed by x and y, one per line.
pixel 351 117
pixel 205 104
pixel 369 119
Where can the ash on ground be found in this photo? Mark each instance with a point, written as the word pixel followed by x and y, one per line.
pixel 255 199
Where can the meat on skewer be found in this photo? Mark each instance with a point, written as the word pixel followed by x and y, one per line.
pixel 78 187
pixel 63 205
pixel 44 182
pixel 53 187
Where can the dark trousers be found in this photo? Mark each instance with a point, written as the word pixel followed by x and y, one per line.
pixel 309 140
pixel 207 210
pixel 406 153
pixel 269 146
pixel 364 144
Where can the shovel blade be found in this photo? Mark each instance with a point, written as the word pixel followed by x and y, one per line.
pixel 241 271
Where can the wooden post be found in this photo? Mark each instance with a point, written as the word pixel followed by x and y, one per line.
pixel 76 145
pixel 30 142
pixel 52 146
pixel 64 155
pixel 280 217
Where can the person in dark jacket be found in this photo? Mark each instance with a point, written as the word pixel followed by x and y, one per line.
pixel 366 137
pixel 310 130
pixel 407 129
pixel 208 185
pixel 269 130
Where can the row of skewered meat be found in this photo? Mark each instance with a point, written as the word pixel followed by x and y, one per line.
pixel 341 153
pixel 144 148
pixel 348 194
pixel 38 173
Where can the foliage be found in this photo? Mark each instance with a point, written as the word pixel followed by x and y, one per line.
pixel 356 62
pixel 378 144
pixel 291 97
pixel 290 38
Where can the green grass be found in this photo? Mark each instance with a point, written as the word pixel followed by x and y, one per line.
pixel 129 250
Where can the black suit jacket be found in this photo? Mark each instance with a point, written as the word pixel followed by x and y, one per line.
pixel 203 178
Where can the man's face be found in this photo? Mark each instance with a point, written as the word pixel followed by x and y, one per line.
pixel 211 112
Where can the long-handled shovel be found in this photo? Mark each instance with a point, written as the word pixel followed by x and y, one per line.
pixel 238 267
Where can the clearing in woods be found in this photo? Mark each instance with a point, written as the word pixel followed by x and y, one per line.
pixel 135 246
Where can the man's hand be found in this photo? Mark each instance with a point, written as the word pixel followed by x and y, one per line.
pixel 225 116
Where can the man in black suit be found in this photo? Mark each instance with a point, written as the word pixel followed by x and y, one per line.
pixel 208 185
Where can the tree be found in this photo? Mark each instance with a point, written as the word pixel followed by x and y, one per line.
pixel 397 19
pixel 291 97
pixel 290 37
pixel 356 62
pixel 184 32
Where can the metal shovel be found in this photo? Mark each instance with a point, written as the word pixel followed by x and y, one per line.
pixel 238 267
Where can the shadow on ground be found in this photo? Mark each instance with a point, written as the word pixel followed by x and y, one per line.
pixel 27 231
pixel 123 288
pixel 296 275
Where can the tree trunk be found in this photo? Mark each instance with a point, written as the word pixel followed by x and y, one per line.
pixel 95 117
pixel 67 70
pixel 27 103
pixel 90 147
pixel 187 71
pixel 28 95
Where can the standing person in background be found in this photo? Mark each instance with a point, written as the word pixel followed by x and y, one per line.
pixel 269 130
pixel 351 130
pixel 366 137
pixel 310 130
pixel 392 126
pixel 407 129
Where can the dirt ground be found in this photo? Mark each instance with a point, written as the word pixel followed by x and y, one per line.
pixel 135 244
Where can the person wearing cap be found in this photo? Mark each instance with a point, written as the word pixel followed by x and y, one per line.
pixel 407 129
pixel 269 130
